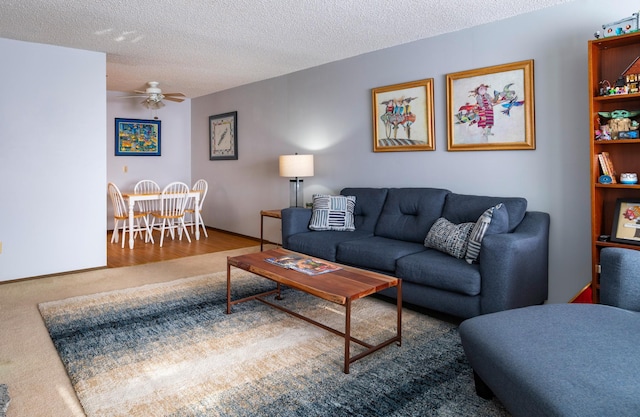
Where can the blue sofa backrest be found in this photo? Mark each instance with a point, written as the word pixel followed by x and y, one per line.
pixel 462 208
pixel 409 213
pixel 369 202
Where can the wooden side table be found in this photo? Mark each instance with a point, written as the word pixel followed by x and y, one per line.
pixel 276 214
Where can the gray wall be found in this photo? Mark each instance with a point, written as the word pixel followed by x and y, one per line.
pixel 327 111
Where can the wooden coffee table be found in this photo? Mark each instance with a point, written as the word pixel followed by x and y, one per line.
pixel 340 287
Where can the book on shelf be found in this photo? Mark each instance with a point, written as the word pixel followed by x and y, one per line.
pixel 304 264
pixel 603 165
pixel 610 168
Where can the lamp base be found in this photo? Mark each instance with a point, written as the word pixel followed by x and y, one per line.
pixel 296 194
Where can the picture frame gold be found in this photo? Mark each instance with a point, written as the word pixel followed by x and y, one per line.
pixel 491 108
pixel 626 222
pixel 408 106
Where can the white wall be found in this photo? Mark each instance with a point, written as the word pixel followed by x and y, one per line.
pixel 327 111
pixel 52 159
pixel 174 163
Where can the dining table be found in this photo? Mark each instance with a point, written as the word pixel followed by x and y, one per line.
pixel 133 198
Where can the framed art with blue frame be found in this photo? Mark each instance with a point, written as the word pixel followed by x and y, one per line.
pixel 137 137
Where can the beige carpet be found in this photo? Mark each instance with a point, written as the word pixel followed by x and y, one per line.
pixel 29 364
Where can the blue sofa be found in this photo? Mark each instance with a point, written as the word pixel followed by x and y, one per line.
pixel 390 229
pixel 565 359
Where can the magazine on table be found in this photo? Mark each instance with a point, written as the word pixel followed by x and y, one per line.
pixel 304 264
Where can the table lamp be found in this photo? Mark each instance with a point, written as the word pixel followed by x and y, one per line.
pixel 296 166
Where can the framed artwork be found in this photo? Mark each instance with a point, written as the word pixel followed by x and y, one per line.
pixel 403 117
pixel 491 108
pixel 223 136
pixel 626 222
pixel 136 137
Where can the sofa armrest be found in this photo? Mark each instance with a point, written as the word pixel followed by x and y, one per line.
pixel 619 283
pixel 515 266
pixel 294 220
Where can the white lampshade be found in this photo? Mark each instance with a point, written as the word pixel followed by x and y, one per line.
pixel 295 166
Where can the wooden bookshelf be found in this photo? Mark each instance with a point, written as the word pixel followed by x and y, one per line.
pixel 608 60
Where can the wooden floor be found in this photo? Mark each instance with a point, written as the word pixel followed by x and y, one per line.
pixel 144 253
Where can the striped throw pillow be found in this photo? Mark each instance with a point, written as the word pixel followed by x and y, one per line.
pixel 480 230
pixel 333 212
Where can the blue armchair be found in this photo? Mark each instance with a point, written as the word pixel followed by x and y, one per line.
pixel 565 359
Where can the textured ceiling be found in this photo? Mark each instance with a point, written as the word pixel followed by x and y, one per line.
pixel 203 46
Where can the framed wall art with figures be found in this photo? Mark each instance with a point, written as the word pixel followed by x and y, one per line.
pixel 491 108
pixel 403 117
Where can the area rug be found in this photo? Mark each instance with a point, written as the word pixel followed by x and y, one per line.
pixel 170 350
pixel 4 399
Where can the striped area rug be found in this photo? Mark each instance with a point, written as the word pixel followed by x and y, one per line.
pixel 169 350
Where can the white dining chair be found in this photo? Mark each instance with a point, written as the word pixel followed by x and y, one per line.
pixel 172 204
pixel 121 214
pixel 190 212
pixel 147 187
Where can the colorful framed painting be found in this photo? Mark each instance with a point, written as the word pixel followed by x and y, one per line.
pixel 403 117
pixel 135 137
pixel 491 108
pixel 223 136
pixel 626 222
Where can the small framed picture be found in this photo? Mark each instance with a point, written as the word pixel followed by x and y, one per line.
pixel 223 136
pixel 626 222
pixel 136 137
pixel 403 117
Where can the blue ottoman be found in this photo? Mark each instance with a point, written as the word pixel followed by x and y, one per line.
pixel 558 360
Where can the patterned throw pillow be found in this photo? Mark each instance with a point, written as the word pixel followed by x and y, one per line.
pixel 448 237
pixel 499 215
pixel 333 212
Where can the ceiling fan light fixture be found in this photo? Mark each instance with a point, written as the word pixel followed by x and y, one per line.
pixel 153 103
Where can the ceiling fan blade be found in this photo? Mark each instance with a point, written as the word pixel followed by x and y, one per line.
pixel 179 100
pixel 139 92
pixel 174 94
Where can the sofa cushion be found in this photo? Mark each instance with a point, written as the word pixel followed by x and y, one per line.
pixel 369 202
pixel 436 269
pixel 333 212
pixel 409 213
pixel 493 220
pixel 375 252
pixel 323 244
pixel 448 237
pixel 462 208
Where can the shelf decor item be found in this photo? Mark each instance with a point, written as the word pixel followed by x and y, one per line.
pixel 403 117
pixel 626 222
pixel 223 136
pixel 621 27
pixel 629 178
pixel 136 137
pixel 491 108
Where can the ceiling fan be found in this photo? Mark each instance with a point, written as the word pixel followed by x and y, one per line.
pixel 153 96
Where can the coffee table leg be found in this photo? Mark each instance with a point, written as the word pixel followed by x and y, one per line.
pixel 399 314
pixel 347 336
pixel 228 288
